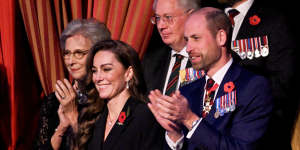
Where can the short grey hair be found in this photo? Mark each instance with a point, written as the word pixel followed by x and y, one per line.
pixel 185 4
pixel 190 4
pixel 89 28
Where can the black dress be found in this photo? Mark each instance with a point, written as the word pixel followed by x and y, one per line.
pixel 47 124
pixel 49 121
pixel 135 129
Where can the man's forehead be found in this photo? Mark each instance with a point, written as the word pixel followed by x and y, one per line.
pixel 167 7
pixel 192 25
pixel 196 19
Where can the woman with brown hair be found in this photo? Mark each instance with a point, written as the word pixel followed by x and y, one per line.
pixel 126 122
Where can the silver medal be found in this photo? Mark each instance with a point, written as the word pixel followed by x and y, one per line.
pixel 249 54
pixel 264 51
pixel 243 55
pixel 256 53
pixel 232 107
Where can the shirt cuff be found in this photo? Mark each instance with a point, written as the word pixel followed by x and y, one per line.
pixel 177 145
pixel 191 132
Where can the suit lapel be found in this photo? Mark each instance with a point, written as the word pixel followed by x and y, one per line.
pixel 231 75
pixel 119 127
pixel 246 28
pixel 163 68
pixel 97 140
pixel 196 98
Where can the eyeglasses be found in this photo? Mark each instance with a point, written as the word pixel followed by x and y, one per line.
pixel 169 19
pixel 78 54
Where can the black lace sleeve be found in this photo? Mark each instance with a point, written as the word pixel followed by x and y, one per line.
pixel 47 123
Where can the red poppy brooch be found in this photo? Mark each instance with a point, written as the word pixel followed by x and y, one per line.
pixel 122 118
pixel 254 20
pixel 228 87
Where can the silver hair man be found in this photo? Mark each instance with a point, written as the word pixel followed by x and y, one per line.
pixel 187 4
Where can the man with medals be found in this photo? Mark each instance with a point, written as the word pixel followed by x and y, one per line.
pixel 263 30
pixel 160 62
pixel 229 108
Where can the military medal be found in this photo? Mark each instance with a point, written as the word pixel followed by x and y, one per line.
pixel 242 49
pixel 226 103
pixel 208 101
pixel 256 45
pixel 264 51
pixel 217 114
pixel 189 75
pixel 234 46
pixel 249 50
pixel 222 106
pixel 233 101
pixel 264 47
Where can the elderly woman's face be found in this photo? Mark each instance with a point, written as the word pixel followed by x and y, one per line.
pixel 75 55
pixel 109 75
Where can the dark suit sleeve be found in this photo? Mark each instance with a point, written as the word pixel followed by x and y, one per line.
pixel 244 127
pixel 281 61
pixel 281 69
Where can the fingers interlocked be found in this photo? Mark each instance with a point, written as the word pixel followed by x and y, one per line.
pixel 169 107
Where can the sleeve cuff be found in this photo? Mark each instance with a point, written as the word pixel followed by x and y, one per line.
pixel 191 132
pixel 174 145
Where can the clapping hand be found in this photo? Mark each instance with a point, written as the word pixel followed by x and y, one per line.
pixel 171 110
pixel 66 95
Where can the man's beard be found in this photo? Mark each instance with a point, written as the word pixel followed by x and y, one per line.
pixel 199 66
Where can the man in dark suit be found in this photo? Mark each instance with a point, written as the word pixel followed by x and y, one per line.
pixel 229 108
pixel 264 46
pixel 161 58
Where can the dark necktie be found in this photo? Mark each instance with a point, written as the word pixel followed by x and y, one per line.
pixel 232 13
pixel 173 80
pixel 210 89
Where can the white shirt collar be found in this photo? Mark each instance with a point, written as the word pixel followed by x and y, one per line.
pixel 182 52
pixel 219 75
pixel 242 8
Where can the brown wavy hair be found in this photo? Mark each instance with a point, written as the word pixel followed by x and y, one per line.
pixel 88 115
pixel 127 56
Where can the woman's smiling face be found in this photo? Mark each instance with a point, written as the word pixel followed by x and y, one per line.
pixel 109 75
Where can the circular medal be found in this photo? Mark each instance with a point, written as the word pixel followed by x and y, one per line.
pixel 249 54
pixel 232 108
pixel 217 114
pixel 222 111
pixel 227 109
pixel 243 55
pixel 264 51
pixel 256 53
